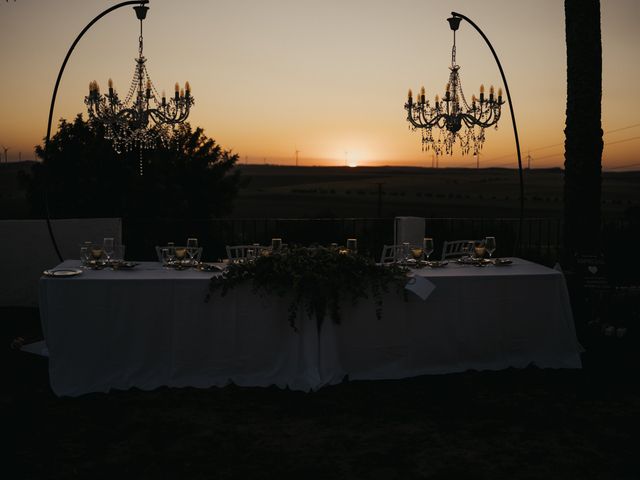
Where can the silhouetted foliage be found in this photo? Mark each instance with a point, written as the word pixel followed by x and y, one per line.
pixel 192 178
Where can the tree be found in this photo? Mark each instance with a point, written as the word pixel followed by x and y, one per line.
pixel 191 178
pixel 583 132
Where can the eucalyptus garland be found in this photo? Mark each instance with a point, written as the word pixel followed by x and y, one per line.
pixel 318 280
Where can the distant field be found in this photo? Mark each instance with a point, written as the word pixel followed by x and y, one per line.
pixel 353 192
pixel 314 192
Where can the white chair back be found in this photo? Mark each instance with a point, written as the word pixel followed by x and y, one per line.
pixel 236 252
pixel 455 248
pixel 391 253
pixel 408 229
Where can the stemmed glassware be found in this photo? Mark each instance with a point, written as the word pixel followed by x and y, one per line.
pixel 171 253
pixel 108 247
pixel 417 253
pixel 406 252
pixel 84 254
pixel 427 247
pixel 352 245
pixel 96 255
pixel 467 249
pixel 192 250
pixel 490 245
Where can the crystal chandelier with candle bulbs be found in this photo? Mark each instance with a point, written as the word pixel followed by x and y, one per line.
pixel 457 121
pixel 143 119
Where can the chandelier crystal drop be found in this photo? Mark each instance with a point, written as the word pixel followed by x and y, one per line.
pixel 452 115
pixel 144 119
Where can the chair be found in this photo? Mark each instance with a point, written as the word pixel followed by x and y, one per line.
pixel 237 252
pixel 408 229
pixel 391 253
pixel 455 248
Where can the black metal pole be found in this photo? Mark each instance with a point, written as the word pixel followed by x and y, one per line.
pixel 513 120
pixel 53 103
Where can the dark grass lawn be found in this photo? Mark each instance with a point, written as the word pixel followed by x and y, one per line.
pixel 516 424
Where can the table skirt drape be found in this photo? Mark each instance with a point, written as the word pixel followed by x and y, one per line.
pixel 151 327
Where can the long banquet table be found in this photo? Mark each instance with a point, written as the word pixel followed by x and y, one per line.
pixel 150 327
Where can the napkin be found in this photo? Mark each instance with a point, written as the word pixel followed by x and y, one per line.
pixel 421 286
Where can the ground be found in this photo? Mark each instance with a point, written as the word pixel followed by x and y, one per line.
pixel 516 424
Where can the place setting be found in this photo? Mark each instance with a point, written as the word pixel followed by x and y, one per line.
pixel 417 257
pixel 107 255
pixel 474 254
pixel 185 257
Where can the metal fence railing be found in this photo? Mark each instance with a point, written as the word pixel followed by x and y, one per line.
pixel 541 237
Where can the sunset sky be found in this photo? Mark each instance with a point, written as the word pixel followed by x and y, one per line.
pixel 325 77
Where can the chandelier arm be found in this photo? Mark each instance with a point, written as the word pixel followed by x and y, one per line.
pixel 422 121
pixel 53 104
pixel 513 120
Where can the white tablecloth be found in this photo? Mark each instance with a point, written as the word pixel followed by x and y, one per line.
pixel 150 327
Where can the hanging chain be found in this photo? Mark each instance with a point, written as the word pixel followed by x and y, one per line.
pixel 453 50
pixel 140 41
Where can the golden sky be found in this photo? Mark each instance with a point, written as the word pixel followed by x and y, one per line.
pixel 326 77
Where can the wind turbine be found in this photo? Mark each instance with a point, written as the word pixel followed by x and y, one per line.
pixel 297 152
pixel 6 149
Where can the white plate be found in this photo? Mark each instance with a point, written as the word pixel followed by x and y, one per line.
pixel 499 262
pixel 437 263
pixel 62 272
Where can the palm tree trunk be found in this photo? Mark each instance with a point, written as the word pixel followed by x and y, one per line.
pixel 583 132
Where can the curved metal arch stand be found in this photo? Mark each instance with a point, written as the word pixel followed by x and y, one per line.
pixel 53 103
pixel 513 117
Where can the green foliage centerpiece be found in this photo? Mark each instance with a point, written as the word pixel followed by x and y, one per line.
pixel 318 280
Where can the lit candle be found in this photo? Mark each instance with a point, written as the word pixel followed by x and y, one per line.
pixel 437 102
pixel 164 99
pixel 187 89
pixel 447 92
pixel 182 92
pixel 491 93
pixel 422 95
pixel 110 87
pixel 410 97
pixel 481 93
pixel 148 88
pixel 500 95
pixel 177 91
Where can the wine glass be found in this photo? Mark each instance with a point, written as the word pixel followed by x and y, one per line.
pixel 164 253
pixel 479 249
pixel 192 249
pixel 96 255
pixel 427 246
pixel 417 253
pixel 108 247
pixel 84 255
pixel 181 253
pixel 171 253
pixel 490 245
pixel 467 250
pixel 352 245
pixel 406 252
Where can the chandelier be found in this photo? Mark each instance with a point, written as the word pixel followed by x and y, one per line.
pixel 456 119
pixel 143 119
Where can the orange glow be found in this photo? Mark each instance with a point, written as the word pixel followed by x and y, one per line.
pixel 329 77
